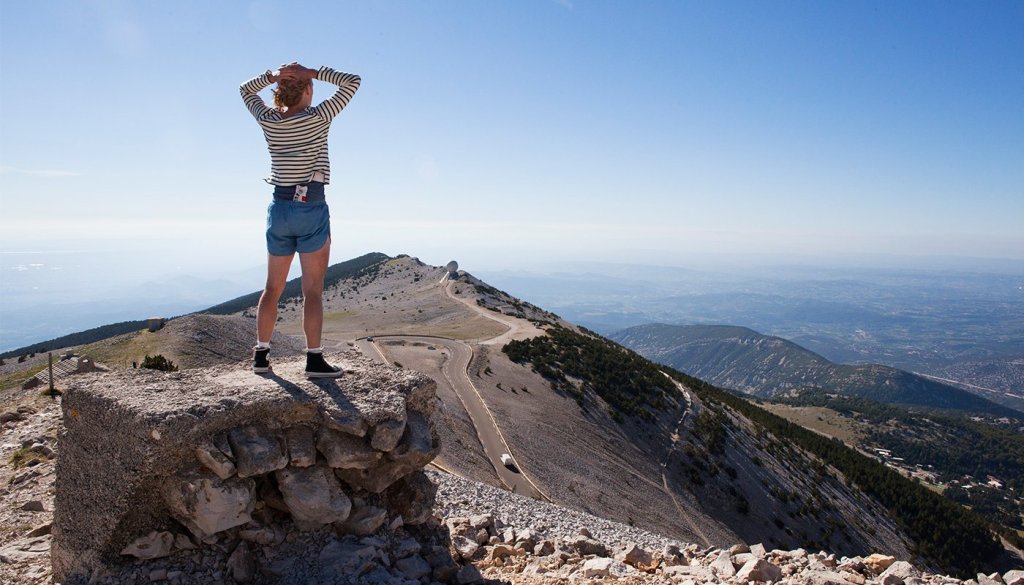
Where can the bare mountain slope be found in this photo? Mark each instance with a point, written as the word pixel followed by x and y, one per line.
pixel 690 470
pixel 591 457
pixel 588 424
pixel 192 341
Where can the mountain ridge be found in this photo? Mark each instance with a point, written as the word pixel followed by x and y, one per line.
pixel 695 458
pixel 763 365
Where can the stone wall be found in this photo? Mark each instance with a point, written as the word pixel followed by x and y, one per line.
pixel 153 463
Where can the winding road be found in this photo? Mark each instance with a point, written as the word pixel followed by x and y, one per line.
pixel 454 373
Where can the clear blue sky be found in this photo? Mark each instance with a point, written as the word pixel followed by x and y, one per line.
pixel 518 130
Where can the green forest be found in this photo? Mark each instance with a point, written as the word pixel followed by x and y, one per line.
pixel 629 383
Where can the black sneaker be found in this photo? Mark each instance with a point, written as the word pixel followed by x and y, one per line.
pixel 317 367
pixel 261 360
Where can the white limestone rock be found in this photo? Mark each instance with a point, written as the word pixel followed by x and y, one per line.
pixel 634 556
pixel 605 567
pixel 479 521
pixel 824 578
pixel 365 520
pixel 344 451
pixel 898 572
pixel 878 563
pixel 375 479
pixel 301 446
pixel 406 547
pixel 697 573
pixel 183 542
pixel 214 459
pixel 758 570
pixel 419 444
pixel 387 434
pixel 588 546
pixel 207 505
pixel 722 565
pixel 313 496
pixel 465 547
pixel 257 451
pixel 503 551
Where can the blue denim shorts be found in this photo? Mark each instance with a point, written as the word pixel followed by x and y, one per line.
pixel 297 227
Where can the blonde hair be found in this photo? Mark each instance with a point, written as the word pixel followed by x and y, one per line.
pixel 288 93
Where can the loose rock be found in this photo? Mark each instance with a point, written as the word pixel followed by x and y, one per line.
pixel 214 459
pixel 208 505
pixel 241 564
pixel 313 496
pixel 301 446
pixel 413 567
pixel 365 520
pixel 257 451
pixel 152 546
pixel 759 570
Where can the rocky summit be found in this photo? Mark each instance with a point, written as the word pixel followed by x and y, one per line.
pixel 218 476
pixel 222 461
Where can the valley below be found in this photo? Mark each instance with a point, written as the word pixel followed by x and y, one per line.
pixel 533 404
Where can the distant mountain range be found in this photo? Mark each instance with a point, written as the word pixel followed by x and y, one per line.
pixel 590 425
pixel 743 359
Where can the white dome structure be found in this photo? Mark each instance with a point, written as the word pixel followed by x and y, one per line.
pixel 451 271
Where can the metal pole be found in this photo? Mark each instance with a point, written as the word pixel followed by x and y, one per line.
pixel 53 392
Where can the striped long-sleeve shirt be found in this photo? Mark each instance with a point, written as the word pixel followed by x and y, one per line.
pixel 298 143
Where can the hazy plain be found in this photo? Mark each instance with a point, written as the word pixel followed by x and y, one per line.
pixel 962 320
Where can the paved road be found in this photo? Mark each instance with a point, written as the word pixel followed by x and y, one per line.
pixel 453 374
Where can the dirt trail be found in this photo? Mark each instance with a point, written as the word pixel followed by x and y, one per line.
pixel 517 328
pixel 664 465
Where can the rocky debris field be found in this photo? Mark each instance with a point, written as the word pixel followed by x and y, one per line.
pixel 529 542
pixel 200 455
pixel 287 534
pixel 28 447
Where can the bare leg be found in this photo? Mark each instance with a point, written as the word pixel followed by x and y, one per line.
pixel 314 266
pixel 266 313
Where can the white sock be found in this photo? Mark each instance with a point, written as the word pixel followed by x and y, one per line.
pixel 314 350
pixel 262 344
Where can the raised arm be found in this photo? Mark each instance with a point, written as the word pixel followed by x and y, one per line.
pixel 250 94
pixel 347 85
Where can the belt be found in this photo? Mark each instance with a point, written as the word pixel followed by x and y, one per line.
pixel 311 192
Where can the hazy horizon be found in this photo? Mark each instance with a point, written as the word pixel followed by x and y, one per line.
pixel 104 283
pixel 513 136
pixel 526 128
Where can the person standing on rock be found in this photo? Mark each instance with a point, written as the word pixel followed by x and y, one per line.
pixel 298 219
